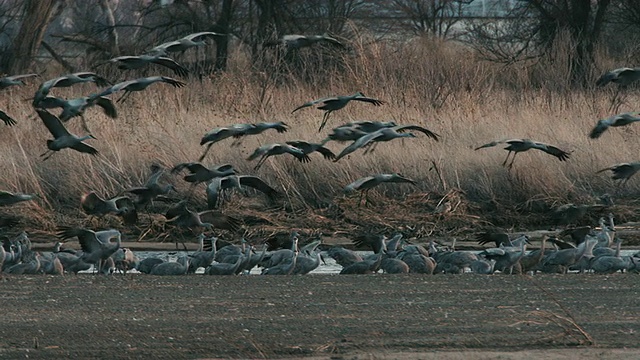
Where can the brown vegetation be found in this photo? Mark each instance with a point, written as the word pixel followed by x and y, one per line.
pixel 442 86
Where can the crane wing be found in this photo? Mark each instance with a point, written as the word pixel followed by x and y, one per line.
pixel 373 101
pixel 220 221
pixel 213 191
pixel 552 150
pixel 328 154
pixel 314 102
pixel 258 184
pixel 361 142
pixel 197 36
pixel 87 238
pixel 89 201
pixel 7 119
pixel 193 167
pixel 171 64
pixel 425 131
pixel 23 76
pixel 99 80
pixel 53 124
pixel 599 129
pixel 107 105
pixel 84 148
pixel 357 184
pixel 173 82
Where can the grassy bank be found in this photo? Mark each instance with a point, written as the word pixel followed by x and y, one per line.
pixel 441 86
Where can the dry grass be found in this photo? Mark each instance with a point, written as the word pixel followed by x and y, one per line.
pixel 440 86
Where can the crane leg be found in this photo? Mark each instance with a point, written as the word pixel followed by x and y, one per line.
pixel 621 184
pixel 615 103
pixel 182 242
pixel 206 151
pixel 260 162
pixel 84 124
pixel 192 187
pixel 512 160
pixel 504 163
pixel 366 198
pixel 325 117
pixel 236 142
pixel 47 155
pixel 370 148
pixel 100 264
pixel 124 97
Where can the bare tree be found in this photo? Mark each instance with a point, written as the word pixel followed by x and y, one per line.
pixel 536 25
pixel 37 14
pixel 97 32
pixel 223 26
pixel 111 21
pixel 9 20
pixel 182 17
pixel 436 17
pixel 622 25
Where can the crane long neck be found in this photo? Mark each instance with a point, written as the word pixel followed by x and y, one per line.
pixel 523 249
pixel 36 263
pixel 238 263
pixel 214 245
pixel 292 265
pixel 201 243
pixel 587 249
pixel 611 224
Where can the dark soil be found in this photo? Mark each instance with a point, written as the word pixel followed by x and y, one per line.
pixel 138 316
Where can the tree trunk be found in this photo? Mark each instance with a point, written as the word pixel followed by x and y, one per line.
pixel 114 46
pixel 585 32
pixel 37 16
pixel 583 19
pixel 222 42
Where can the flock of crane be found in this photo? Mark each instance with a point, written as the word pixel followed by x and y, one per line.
pixel 590 251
